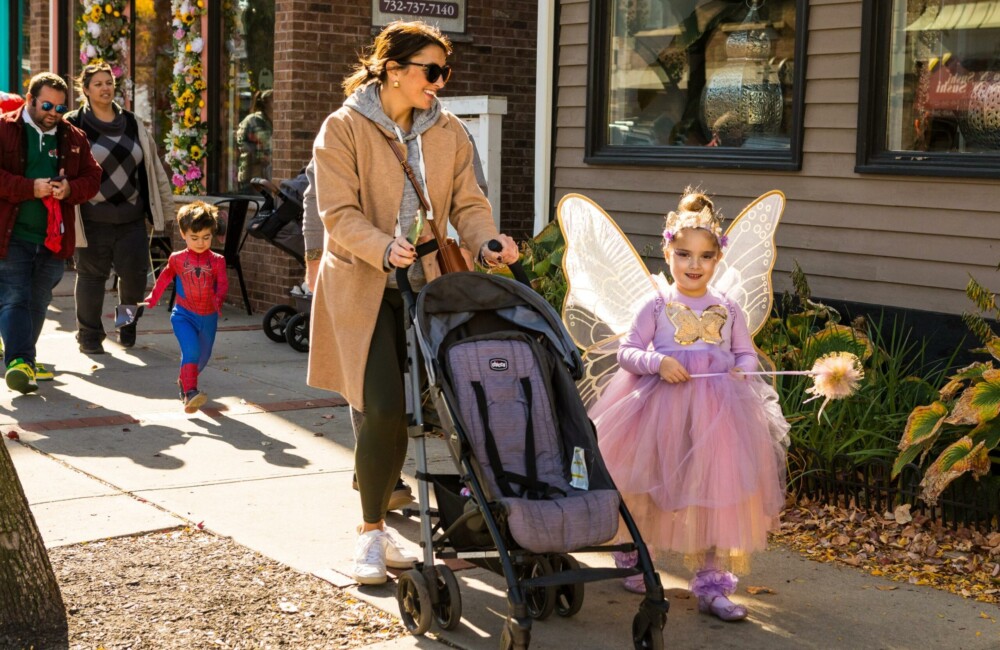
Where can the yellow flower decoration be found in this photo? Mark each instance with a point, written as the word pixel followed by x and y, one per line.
pixel 118 14
pixel 196 152
pixel 95 14
pixel 188 19
pixel 108 8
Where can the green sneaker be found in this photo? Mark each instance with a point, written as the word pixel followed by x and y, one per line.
pixel 44 373
pixel 20 377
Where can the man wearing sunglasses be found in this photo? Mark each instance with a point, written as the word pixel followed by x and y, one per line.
pixel 52 170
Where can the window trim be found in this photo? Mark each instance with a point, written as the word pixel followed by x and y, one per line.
pixel 873 113
pixel 598 152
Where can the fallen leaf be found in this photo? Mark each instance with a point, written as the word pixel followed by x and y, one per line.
pixel 201 525
pixel 886 587
pixel 902 514
pixel 287 607
pixel 93 406
pixel 753 591
pixel 13 435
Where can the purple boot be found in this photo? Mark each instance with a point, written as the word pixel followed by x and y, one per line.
pixel 636 584
pixel 713 588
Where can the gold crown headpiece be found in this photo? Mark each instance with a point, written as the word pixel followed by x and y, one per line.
pixel 705 219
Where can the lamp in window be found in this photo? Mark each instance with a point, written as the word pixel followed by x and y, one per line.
pixel 743 102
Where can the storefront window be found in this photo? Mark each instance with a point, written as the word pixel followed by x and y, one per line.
pixel 247 78
pixel 933 101
pixel 153 67
pixel 684 82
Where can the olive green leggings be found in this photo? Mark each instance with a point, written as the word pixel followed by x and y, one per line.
pixel 381 446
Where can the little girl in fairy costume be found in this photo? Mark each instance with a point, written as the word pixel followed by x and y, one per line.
pixel 697 459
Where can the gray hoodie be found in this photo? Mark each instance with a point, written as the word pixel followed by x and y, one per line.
pixel 366 101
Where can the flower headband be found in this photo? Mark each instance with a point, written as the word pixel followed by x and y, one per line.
pixel 706 220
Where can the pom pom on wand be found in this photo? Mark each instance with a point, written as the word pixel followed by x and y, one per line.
pixel 835 376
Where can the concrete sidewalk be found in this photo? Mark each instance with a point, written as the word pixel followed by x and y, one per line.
pixel 105 450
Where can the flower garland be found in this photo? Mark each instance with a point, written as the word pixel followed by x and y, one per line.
pixel 188 132
pixel 104 36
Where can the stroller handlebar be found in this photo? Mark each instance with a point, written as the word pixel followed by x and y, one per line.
pixel 429 247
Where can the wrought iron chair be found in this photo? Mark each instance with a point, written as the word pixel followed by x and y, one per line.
pixel 233 214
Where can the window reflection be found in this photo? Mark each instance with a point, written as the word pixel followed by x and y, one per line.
pixel 153 72
pixel 701 73
pixel 944 76
pixel 247 79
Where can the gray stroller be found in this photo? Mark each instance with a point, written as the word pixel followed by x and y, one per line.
pixel 531 485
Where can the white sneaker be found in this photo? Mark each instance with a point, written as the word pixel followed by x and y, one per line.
pixel 369 558
pixel 395 555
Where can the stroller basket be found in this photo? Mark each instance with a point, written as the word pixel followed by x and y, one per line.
pixel 456 508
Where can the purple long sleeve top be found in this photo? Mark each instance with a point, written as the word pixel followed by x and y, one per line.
pixel 651 336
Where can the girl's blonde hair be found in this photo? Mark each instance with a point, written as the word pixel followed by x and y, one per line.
pixel 694 210
pixel 397 42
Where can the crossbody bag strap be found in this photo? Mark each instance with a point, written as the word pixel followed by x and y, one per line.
pixel 409 172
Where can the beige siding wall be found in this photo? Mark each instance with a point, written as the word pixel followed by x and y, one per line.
pixel 901 241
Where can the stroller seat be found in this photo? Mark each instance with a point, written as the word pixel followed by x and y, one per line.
pixel 510 412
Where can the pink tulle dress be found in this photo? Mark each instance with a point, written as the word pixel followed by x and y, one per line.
pixel 700 464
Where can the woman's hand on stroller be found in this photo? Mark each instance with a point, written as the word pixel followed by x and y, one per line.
pixel 508 252
pixel 401 253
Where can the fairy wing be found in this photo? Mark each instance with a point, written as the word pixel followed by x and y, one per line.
pixel 744 274
pixel 607 282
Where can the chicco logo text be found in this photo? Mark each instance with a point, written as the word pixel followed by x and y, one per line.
pixel 498 364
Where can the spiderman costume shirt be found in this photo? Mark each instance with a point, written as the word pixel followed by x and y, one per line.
pixel 201 281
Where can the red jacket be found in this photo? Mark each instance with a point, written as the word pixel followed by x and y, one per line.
pixel 82 171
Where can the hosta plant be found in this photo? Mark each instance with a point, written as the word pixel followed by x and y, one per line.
pixel 961 428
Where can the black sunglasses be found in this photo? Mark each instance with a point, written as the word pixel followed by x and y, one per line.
pixel 433 71
pixel 61 108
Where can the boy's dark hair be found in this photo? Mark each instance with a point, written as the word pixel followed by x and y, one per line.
pixel 198 216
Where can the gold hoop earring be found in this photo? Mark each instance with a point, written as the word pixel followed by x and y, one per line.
pixel 395 84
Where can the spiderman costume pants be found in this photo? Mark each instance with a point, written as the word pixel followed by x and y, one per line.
pixel 196 335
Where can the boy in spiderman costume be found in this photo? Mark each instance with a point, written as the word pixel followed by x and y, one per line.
pixel 201 281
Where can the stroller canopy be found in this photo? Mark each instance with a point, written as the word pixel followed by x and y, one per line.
pixel 454 299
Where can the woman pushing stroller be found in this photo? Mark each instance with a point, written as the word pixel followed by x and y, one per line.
pixel 367 204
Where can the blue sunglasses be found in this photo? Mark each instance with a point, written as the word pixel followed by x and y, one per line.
pixel 61 108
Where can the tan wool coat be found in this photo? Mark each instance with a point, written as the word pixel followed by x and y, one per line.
pixel 359 189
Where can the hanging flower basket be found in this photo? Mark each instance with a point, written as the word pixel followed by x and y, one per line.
pixel 188 132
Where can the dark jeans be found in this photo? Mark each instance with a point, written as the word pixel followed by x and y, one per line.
pixel 27 276
pixel 124 246
pixel 381 446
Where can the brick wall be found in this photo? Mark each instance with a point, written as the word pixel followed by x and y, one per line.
pixel 38 48
pixel 316 43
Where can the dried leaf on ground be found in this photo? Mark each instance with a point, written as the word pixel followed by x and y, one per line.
pixel 754 591
pixel 897 545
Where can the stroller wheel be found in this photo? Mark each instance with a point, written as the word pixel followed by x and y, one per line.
pixel 448 611
pixel 414 602
pixel 275 320
pixel 569 598
pixel 541 601
pixel 297 332
pixel 645 635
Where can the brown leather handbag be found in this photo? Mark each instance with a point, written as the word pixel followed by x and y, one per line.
pixel 451 258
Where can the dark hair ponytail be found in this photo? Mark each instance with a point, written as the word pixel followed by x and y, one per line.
pixel 397 42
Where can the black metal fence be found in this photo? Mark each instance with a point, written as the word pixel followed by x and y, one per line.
pixel 868 485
